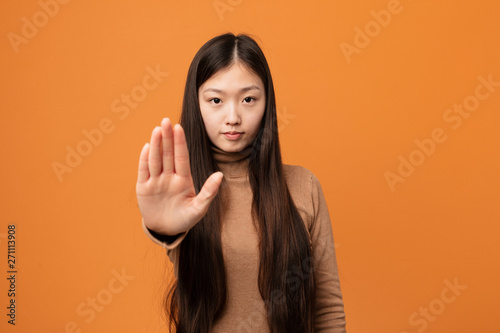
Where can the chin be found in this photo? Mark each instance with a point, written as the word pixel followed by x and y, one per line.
pixel 231 147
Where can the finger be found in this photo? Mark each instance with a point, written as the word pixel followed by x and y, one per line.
pixel 155 153
pixel 208 191
pixel 181 154
pixel 143 165
pixel 168 146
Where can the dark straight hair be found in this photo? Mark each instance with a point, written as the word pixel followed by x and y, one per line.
pixel 198 296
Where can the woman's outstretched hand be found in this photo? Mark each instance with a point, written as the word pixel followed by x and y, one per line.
pixel 165 191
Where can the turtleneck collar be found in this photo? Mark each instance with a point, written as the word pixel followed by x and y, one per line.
pixel 232 164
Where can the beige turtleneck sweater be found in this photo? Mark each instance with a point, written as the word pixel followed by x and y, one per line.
pixel 245 308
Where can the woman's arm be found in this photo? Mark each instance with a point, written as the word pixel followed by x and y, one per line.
pixel 329 309
pixel 168 242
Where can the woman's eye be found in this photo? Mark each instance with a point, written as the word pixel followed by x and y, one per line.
pixel 249 99
pixel 216 100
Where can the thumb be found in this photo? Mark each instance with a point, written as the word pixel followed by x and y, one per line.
pixel 209 190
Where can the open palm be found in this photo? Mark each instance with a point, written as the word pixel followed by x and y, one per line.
pixel 165 191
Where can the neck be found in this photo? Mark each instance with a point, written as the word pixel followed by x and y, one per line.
pixel 232 164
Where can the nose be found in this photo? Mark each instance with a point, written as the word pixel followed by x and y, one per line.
pixel 232 114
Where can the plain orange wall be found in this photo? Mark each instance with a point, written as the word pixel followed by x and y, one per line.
pixel 354 108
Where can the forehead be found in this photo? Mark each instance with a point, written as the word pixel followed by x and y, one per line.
pixel 236 76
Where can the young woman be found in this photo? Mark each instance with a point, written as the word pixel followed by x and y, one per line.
pixel 249 237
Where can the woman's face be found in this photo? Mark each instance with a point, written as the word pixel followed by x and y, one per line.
pixel 232 101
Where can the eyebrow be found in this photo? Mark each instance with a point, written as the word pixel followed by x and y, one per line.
pixel 245 89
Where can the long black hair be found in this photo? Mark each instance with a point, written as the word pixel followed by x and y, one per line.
pixel 197 298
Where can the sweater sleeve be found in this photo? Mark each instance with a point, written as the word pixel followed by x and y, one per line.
pixel 168 242
pixel 329 308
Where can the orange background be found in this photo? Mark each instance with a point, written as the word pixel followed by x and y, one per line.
pixel 346 121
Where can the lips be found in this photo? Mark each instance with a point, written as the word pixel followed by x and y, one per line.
pixel 232 135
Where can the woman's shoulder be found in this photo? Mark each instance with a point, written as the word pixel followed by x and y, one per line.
pixel 298 175
pixel 302 185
